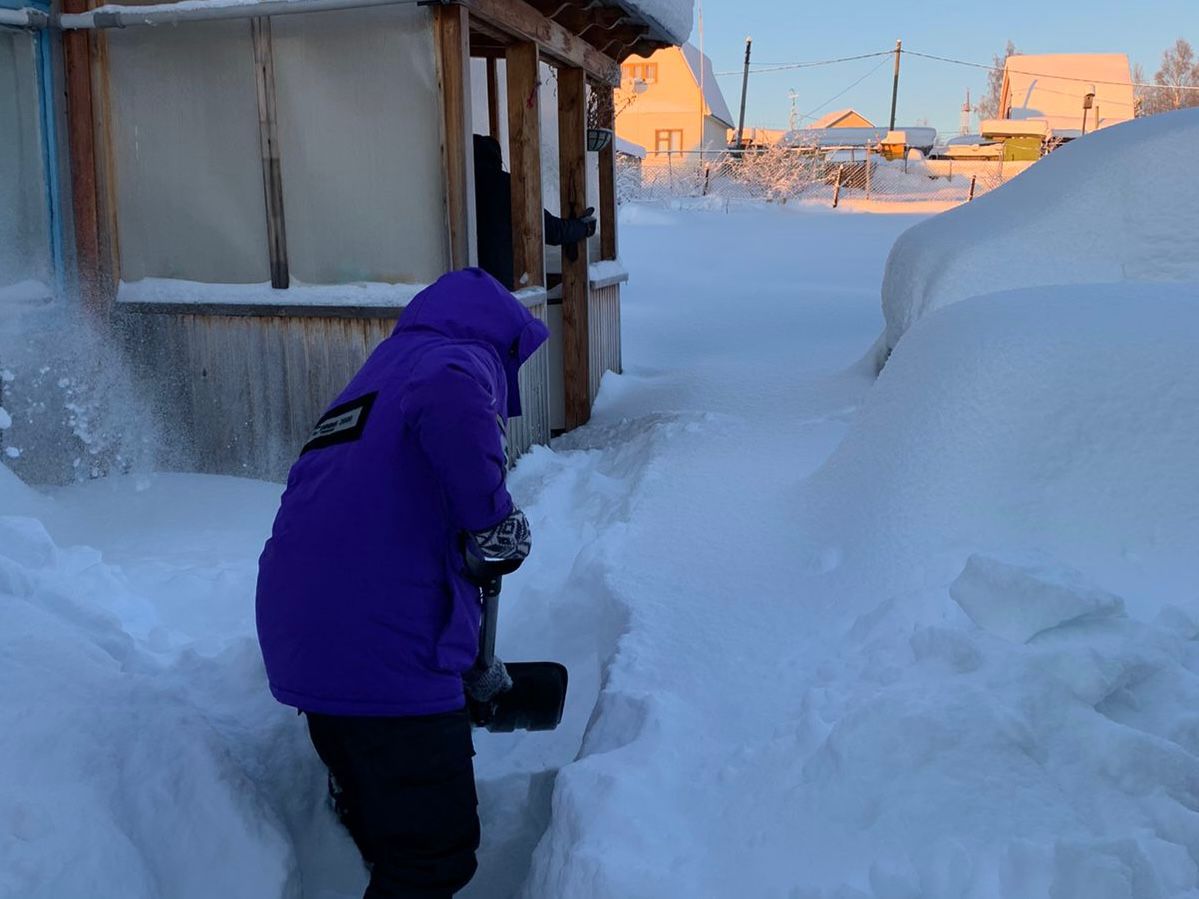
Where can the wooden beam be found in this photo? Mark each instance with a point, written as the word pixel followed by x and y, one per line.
pixel 268 137
pixel 556 42
pixel 572 164
pixel 524 156
pixel 453 71
pixel 607 174
pixel 493 98
pixel 81 142
pixel 106 179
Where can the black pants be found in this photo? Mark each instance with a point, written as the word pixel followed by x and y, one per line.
pixel 409 794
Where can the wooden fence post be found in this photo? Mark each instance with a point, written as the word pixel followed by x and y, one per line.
pixel 837 186
pixel 572 149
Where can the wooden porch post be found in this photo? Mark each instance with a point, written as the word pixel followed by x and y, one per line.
pixel 493 97
pixel 609 245
pixel 453 69
pixel 524 154
pixel 268 138
pixel 572 149
pixel 81 141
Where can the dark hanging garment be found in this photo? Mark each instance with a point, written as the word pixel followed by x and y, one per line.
pixel 493 210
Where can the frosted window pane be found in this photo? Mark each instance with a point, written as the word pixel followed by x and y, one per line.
pixel 189 164
pixel 24 225
pixel 359 131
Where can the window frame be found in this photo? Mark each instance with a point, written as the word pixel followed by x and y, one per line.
pixel 670 144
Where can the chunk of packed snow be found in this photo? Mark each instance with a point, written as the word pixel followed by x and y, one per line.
pixel 5 419
pixel 1116 205
pixel 1018 601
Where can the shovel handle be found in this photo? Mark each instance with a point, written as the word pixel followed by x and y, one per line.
pixel 491 611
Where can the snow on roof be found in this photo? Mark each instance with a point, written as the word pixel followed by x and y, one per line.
pixel 1052 87
pixel 713 96
pixel 1119 205
pixel 675 16
pixel 830 119
pixel 628 148
pixel 917 136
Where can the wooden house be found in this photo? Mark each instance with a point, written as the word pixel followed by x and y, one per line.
pixel 670 102
pixel 259 189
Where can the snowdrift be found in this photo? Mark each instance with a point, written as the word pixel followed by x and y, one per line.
pixel 1013 710
pixel 1063 418
pixel 1120 204
pixel 129 769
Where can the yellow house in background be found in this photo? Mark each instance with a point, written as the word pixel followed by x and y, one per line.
pixel 842 118
pixel 662 107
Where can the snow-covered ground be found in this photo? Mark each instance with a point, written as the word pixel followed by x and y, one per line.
pixel 933 636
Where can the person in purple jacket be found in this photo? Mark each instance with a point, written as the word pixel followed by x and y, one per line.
pixel 366 619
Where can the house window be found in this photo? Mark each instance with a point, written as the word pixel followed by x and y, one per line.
pixel 668 141
pixel 640 71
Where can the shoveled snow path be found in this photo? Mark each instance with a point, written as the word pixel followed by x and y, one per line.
pixel 704 568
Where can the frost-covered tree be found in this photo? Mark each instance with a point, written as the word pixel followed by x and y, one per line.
pixel 988 104
pixel 1176 84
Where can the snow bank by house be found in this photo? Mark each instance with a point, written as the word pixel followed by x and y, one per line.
pixel 1117 205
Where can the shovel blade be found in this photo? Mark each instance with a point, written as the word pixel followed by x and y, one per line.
pixel 535 702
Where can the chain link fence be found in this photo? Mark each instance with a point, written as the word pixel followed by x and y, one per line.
pixel 851 177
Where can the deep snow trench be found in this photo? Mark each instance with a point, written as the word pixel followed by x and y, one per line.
pixel 134 706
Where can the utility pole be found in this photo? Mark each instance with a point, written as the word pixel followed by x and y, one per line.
pixel 895 84
pixel 703 89
pixel 793 117
pixel 749 42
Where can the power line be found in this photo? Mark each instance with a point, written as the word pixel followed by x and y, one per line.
pixel 788 66
pixel 835 97
pixel 995 68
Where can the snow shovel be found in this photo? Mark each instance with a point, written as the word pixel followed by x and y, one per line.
pixel 538 693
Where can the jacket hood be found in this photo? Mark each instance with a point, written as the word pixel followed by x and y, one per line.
pixel 472 305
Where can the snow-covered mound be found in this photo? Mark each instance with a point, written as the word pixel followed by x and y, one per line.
pixel 1064 419
pixel 1011 524
pixel 116 735
pixel 1121 204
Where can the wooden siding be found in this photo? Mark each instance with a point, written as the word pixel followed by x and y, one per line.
pixel 239 394
pixel 533 427
pixel 604 337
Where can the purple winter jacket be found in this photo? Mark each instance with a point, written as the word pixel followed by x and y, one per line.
pixel 362 605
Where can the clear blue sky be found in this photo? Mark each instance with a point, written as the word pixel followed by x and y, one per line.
pixel 786 31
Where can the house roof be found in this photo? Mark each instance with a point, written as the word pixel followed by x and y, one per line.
pixel 830 119
pixel 920 137
pixel 1051 87
pixel 713 96
pixel 628 148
